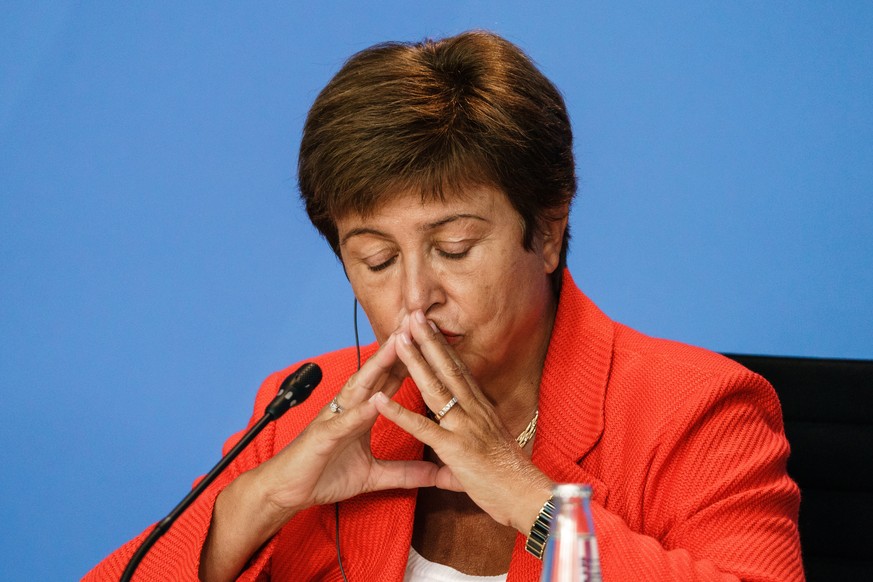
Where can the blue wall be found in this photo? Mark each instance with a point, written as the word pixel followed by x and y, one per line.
pixel 156 263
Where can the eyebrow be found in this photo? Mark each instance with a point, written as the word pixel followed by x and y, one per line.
pixel 424 228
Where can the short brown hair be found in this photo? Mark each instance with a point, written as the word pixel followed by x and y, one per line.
pixel 435 117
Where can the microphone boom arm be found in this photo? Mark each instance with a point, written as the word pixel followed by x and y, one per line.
pixel 294 389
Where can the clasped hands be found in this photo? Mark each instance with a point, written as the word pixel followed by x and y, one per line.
pixel 331 459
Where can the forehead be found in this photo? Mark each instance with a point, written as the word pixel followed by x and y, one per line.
pixel 412 209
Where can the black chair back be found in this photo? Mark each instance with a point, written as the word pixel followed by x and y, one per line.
pixel 827 406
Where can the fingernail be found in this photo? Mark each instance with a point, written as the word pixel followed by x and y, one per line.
pixel 404 338
pixel 378 397
pixel 433 326
pixel 419 316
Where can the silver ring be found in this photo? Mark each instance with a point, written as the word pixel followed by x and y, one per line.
pixel 445 409
pixel 335 406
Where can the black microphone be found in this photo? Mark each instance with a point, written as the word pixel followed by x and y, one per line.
pixel 294 389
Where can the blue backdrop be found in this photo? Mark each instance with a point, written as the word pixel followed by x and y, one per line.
pixel 156 264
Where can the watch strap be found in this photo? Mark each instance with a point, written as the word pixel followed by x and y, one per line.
pixel 539 533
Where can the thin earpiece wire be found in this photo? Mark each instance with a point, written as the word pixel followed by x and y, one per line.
pixel 336 509
pixel 357 339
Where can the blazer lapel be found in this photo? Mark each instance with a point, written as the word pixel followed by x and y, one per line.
pixel 571 403
pixel 384 519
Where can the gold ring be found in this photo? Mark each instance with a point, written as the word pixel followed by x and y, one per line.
pixel 445 409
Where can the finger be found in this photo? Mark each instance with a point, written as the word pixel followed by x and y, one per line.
pixel 445 479
pixel 397 373
pixel 395 378
pixel 294 473
pixel 404 475
pixel 379 372
pixel 433 391
pixel 447 366
pixel 336 428
pixel 420 427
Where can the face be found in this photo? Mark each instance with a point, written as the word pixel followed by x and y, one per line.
pixel 462 262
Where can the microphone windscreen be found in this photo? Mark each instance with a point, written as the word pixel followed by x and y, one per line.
pixel 295 389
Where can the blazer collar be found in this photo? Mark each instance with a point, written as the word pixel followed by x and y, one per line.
pixel 571 403
pixel 573 386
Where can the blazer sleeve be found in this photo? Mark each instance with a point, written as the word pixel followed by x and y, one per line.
pixel 716 500
pixel 176 556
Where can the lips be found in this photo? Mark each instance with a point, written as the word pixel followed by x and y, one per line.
pixel 451 338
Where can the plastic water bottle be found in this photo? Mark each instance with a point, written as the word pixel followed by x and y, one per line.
pixel 571 552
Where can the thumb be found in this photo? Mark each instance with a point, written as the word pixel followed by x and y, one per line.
pixel 445 479
pixel 403 475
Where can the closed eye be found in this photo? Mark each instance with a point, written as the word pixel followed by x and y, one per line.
pixel 453 256
pixel 382 266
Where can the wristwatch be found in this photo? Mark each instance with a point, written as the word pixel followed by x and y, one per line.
pixel 539 533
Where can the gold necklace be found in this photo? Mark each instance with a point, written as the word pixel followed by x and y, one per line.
pixel 529 431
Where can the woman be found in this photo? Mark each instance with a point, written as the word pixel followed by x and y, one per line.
pixel 442 173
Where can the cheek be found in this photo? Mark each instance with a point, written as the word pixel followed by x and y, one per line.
pixel 380 305
pixel 383 325
pixel 478 300
pixel 513 295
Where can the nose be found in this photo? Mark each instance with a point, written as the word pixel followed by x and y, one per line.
pixel 422 287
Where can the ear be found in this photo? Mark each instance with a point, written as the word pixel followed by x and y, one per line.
pixel 553 228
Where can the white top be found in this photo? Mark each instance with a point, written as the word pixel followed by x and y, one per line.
pixel 418 569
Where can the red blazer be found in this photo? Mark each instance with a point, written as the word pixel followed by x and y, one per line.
pixel 685 451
